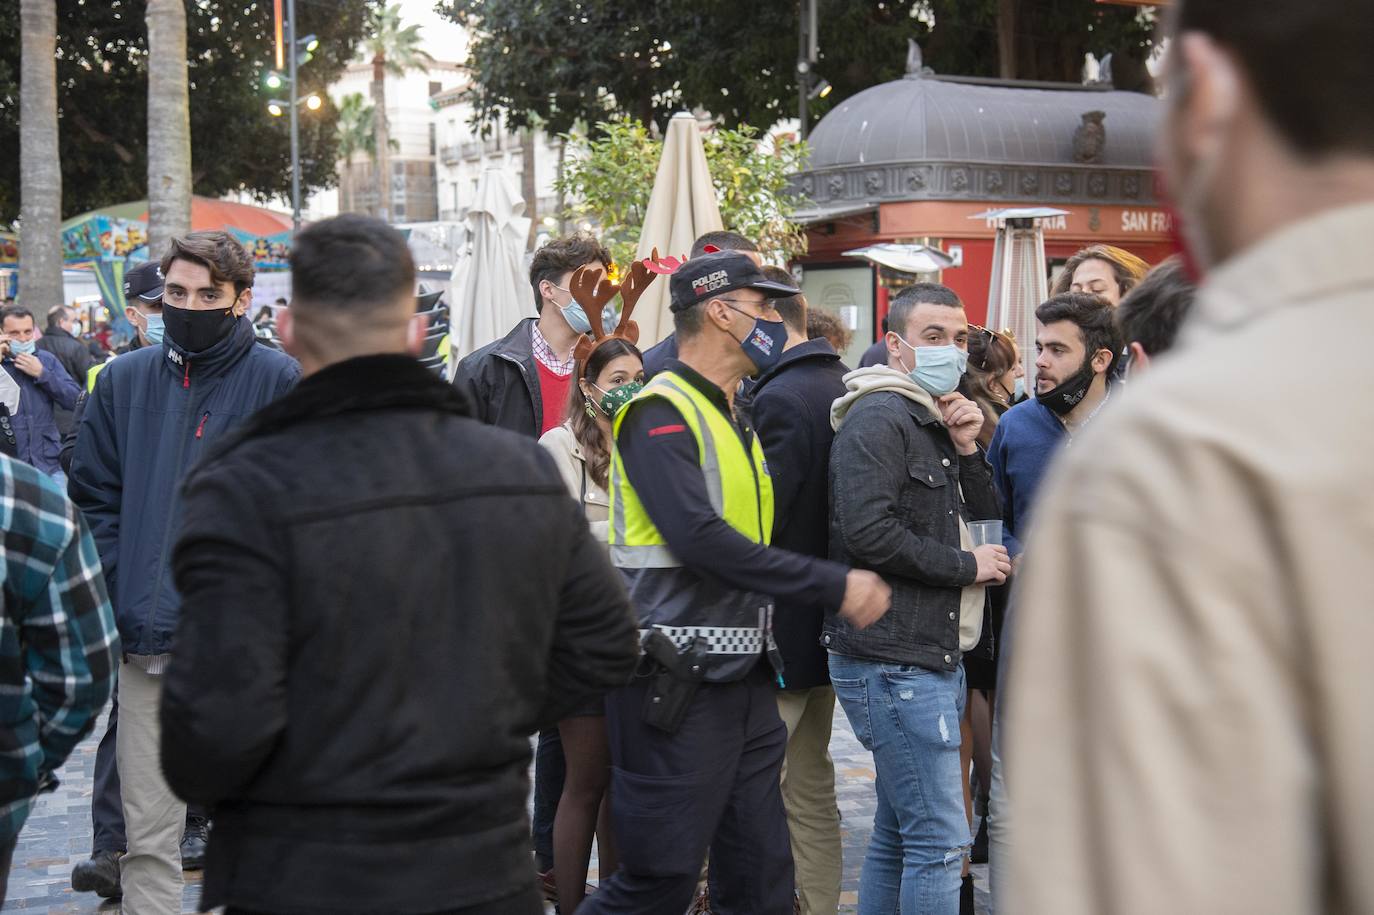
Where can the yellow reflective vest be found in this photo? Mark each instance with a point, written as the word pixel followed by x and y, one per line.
pixel 679 601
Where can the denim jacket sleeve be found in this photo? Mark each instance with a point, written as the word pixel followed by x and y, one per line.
pixel 868 473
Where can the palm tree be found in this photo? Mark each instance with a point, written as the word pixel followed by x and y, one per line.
pixel 395 50
pixel 40 172
pixel 357 133
pixel 169 125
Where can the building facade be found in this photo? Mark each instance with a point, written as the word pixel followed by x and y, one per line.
pixel 463 154
pixel 414 150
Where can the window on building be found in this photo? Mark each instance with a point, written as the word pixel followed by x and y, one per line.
pixel 433 138
pixel 435 87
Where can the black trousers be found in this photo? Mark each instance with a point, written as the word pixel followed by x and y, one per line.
pixel 6 858
pixel 526 903
pixel 107 811
pixel 712 785
pixel 550 771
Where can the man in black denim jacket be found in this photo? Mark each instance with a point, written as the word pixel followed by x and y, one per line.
pixel 905 472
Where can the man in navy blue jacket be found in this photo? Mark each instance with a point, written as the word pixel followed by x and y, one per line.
pixel 790 404
pixel 1076 344
pixel 43 385
pixel 153 412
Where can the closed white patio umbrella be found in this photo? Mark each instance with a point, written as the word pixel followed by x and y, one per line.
pixel 682 206
pixel 490 288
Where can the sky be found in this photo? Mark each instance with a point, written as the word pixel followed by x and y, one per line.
pixel 444 40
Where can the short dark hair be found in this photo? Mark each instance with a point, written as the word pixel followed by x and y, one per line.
pixel 350 263
pixel 1317 109
pixel 792 307
pixel 1091 314
pixel 280 301
pixel 1154 310
pixel 219 252
pixel 899 314
pixel 57 313
pixel 15 311
pixel 723 239
pixel 561 255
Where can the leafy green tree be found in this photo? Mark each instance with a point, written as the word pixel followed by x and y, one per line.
pixel 565 61
pixel 611 176
pixel 395 50
pixel 102 86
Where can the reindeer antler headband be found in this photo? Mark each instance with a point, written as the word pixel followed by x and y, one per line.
pixel 593 291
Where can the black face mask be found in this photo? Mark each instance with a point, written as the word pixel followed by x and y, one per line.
pixel 1069 393
pixel 197 331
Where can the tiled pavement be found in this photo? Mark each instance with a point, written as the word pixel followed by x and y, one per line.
pixel 58 835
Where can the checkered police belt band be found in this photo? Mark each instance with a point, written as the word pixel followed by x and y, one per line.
pixel 736 640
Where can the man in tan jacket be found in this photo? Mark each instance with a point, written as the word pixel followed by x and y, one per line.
pixel 1187 728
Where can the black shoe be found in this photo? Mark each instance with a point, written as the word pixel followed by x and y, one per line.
pixel 979 854
pixel 966 896
pixel 193 842
pixel 99 874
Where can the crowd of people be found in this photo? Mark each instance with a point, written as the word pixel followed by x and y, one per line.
pixel 1102 631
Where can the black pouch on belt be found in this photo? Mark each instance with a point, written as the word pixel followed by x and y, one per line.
pixel 675 676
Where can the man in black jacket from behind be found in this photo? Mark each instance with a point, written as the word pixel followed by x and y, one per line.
pixel 790 404
pixel 364 651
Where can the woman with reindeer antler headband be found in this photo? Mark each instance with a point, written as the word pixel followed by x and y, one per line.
pixel 609 373
pixel 696 740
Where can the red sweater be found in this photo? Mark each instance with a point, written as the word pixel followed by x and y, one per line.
pixel 553 394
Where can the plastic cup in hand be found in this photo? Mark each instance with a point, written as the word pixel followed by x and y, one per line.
pixel 985 532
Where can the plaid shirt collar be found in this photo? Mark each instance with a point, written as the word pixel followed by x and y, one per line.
pixel 547 357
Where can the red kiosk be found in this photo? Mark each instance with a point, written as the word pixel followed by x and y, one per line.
pixel 911 161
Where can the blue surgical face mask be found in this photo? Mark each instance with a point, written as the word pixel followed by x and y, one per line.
pixel 576 317
pixel 573 313
pixel 1019 390
pixel 154 329
pixel 938 368
pixel 22 347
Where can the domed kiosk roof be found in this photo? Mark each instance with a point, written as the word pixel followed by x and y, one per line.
pixel 927 137
pixel 928 118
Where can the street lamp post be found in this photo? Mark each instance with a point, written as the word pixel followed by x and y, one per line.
pixel 297 51
pixel 295 123
pixel 807 55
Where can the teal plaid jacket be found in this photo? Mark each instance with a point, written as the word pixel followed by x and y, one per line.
pixel 58 641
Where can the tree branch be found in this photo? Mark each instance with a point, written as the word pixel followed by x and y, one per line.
pixel 93 134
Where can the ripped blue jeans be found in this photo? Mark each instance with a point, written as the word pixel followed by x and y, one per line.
pixel 908 717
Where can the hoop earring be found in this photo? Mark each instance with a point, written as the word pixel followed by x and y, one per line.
pixel 589 407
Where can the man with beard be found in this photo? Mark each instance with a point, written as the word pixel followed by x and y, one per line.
pixel 1076 342
pixel 153 412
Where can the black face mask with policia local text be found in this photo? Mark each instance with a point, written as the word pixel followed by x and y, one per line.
pixel 197 331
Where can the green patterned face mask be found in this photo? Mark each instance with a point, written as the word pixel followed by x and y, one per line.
pixel 618 396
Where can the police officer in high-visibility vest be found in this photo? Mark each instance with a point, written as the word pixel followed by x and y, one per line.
pixel 696 740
